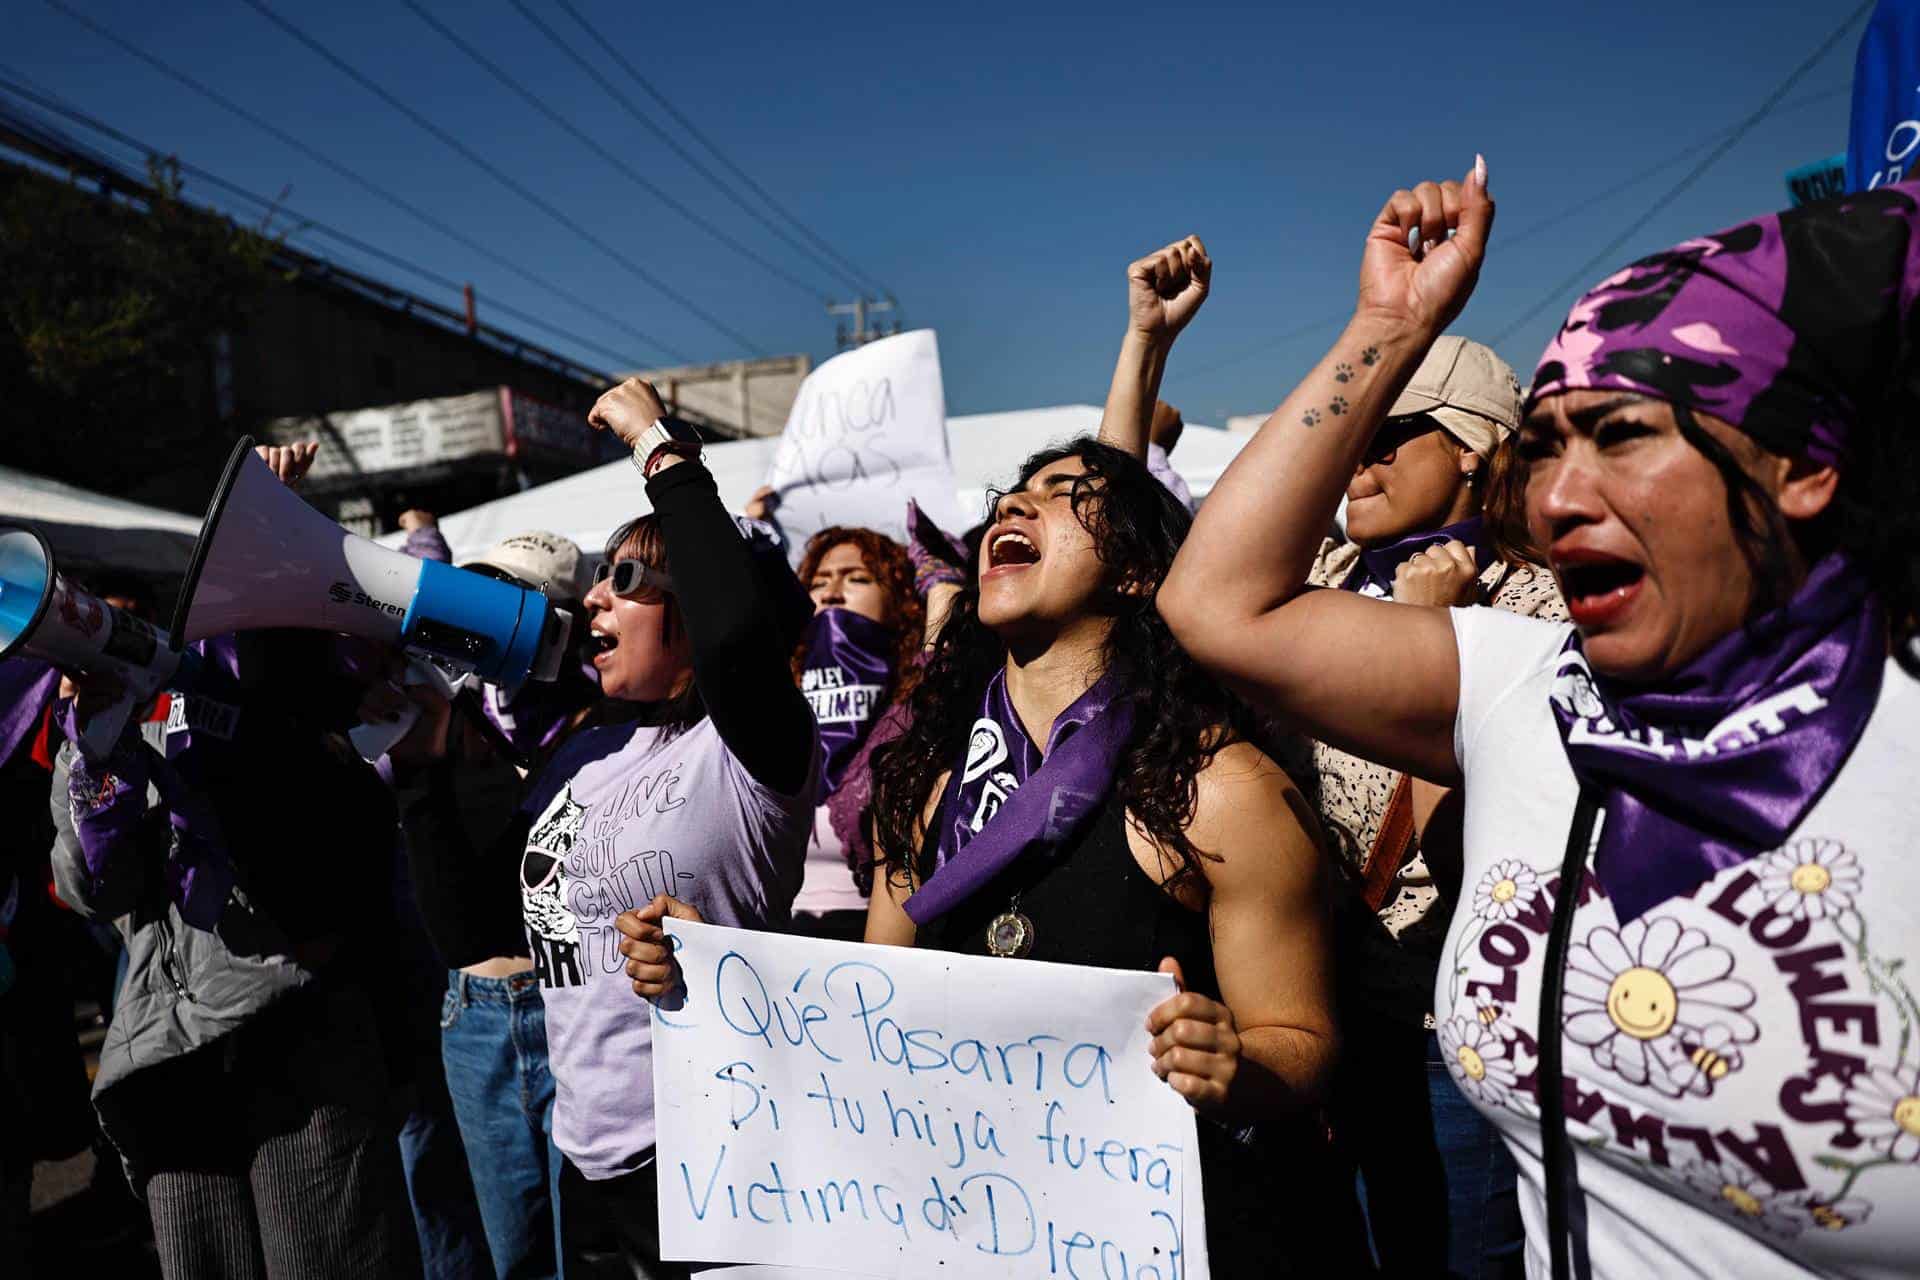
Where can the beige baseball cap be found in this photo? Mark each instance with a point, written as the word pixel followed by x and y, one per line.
pixel 1468 390
pixel 540 559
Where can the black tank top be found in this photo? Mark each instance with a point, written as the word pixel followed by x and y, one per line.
pixel 1275 1204
pixel 1090 903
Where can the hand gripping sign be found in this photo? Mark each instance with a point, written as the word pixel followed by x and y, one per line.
pixel 881 1111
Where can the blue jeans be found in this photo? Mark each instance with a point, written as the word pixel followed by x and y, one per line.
pixel 1437 1184
pixel 446 1214
pixel 493 1034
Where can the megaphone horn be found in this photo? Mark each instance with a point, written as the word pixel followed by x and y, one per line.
pixel 267 559
pixel 42 615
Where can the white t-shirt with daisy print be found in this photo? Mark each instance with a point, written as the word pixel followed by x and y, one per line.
pixel 1744 1061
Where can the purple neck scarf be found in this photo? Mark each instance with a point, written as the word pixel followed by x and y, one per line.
pixel 1373 574
pixel 1009 798
pixel 1722 761
pixel 536 713
pixel 27 685
pixel 846 676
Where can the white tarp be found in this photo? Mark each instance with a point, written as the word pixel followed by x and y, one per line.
pixel 90 531
pixel 868 431
pixel 987 450
pixel 882 1111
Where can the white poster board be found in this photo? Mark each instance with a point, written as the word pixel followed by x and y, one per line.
pixel 867 432
pixel 882 1111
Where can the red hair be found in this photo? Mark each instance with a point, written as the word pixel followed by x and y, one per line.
pixel 887 561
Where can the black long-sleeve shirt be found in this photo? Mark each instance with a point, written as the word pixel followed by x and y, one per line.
pixel 743 613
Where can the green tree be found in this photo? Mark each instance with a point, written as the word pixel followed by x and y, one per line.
pixel 110 308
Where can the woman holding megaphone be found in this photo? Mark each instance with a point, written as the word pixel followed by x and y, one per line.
pixel 244 1078
pixel 704 789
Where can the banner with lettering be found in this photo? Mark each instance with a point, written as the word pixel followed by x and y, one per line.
pixel 882 1111
pixel 868 431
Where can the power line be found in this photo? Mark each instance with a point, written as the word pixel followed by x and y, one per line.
pixel 585 139
pixel 366 184
pixel 1537 227
pixel 306 224
pixel 498 175
pixel 633 73
pixel 612 90
pixel 1583 274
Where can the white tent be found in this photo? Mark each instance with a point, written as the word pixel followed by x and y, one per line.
pixel 987 451
pixel 91 531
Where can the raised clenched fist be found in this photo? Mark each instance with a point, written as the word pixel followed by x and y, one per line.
pixel 1424 252
pixel 628 410
pixel 1444 575
pixel 1165 289
pixel 289 461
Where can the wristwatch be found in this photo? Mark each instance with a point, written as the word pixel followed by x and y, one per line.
pixel 666 435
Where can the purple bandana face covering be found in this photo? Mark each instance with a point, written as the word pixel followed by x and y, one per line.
pixel 1373 574
pixel 846 676
pixel 1785 326
pixel 1007 798
pixel 1722 761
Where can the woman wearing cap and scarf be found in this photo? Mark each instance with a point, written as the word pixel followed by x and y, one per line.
pixel 1720 751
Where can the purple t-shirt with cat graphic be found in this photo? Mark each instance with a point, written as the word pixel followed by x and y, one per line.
pixel 623 813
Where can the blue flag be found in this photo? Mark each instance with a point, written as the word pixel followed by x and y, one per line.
pixel 1884 141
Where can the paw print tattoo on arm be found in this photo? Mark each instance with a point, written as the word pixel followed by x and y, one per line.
pixel 1338 407
pixel 1370 357
pixel 1311 418
pixel 1343 372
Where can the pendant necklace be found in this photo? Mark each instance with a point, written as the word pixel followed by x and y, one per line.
pixel 1010 934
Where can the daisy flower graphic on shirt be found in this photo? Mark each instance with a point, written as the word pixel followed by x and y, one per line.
pixel 1478 1058
pixel 1884 1108
pixel 1746 1197
pixel 1653 1003
pixel 1507 890
pixel 1810 879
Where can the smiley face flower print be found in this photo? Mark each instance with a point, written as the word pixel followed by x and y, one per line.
pixel 1656 1004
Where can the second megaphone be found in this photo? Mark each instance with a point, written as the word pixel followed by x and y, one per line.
pixel 267 559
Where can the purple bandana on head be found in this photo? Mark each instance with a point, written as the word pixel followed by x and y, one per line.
pixel 1724 759
pixel 846 676
pixel 1784 327
pixel 1008 798
pixel 1373 574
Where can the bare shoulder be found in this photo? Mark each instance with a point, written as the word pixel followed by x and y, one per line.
pixel 1251 818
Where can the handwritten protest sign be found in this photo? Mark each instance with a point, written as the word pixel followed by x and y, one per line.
pixel 867 432
pixel 888 1112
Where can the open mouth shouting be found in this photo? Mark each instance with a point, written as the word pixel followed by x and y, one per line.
pixel 1599 588
pixel 1009 549
pixel 601 644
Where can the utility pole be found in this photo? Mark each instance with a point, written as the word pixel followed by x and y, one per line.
pixel 859 309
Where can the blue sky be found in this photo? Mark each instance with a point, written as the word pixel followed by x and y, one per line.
pixel 995 165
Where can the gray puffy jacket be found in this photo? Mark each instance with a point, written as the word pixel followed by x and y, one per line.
pixel 201 960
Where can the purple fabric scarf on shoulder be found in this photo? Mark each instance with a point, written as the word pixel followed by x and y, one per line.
pixel 1009 798
pixel 1723 760
pixel 1373 573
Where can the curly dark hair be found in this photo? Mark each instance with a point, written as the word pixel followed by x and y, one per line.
pixel 1182 715
pixel 887 561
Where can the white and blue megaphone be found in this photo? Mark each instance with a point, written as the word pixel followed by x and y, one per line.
pixel 267 559
pixel 44 616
